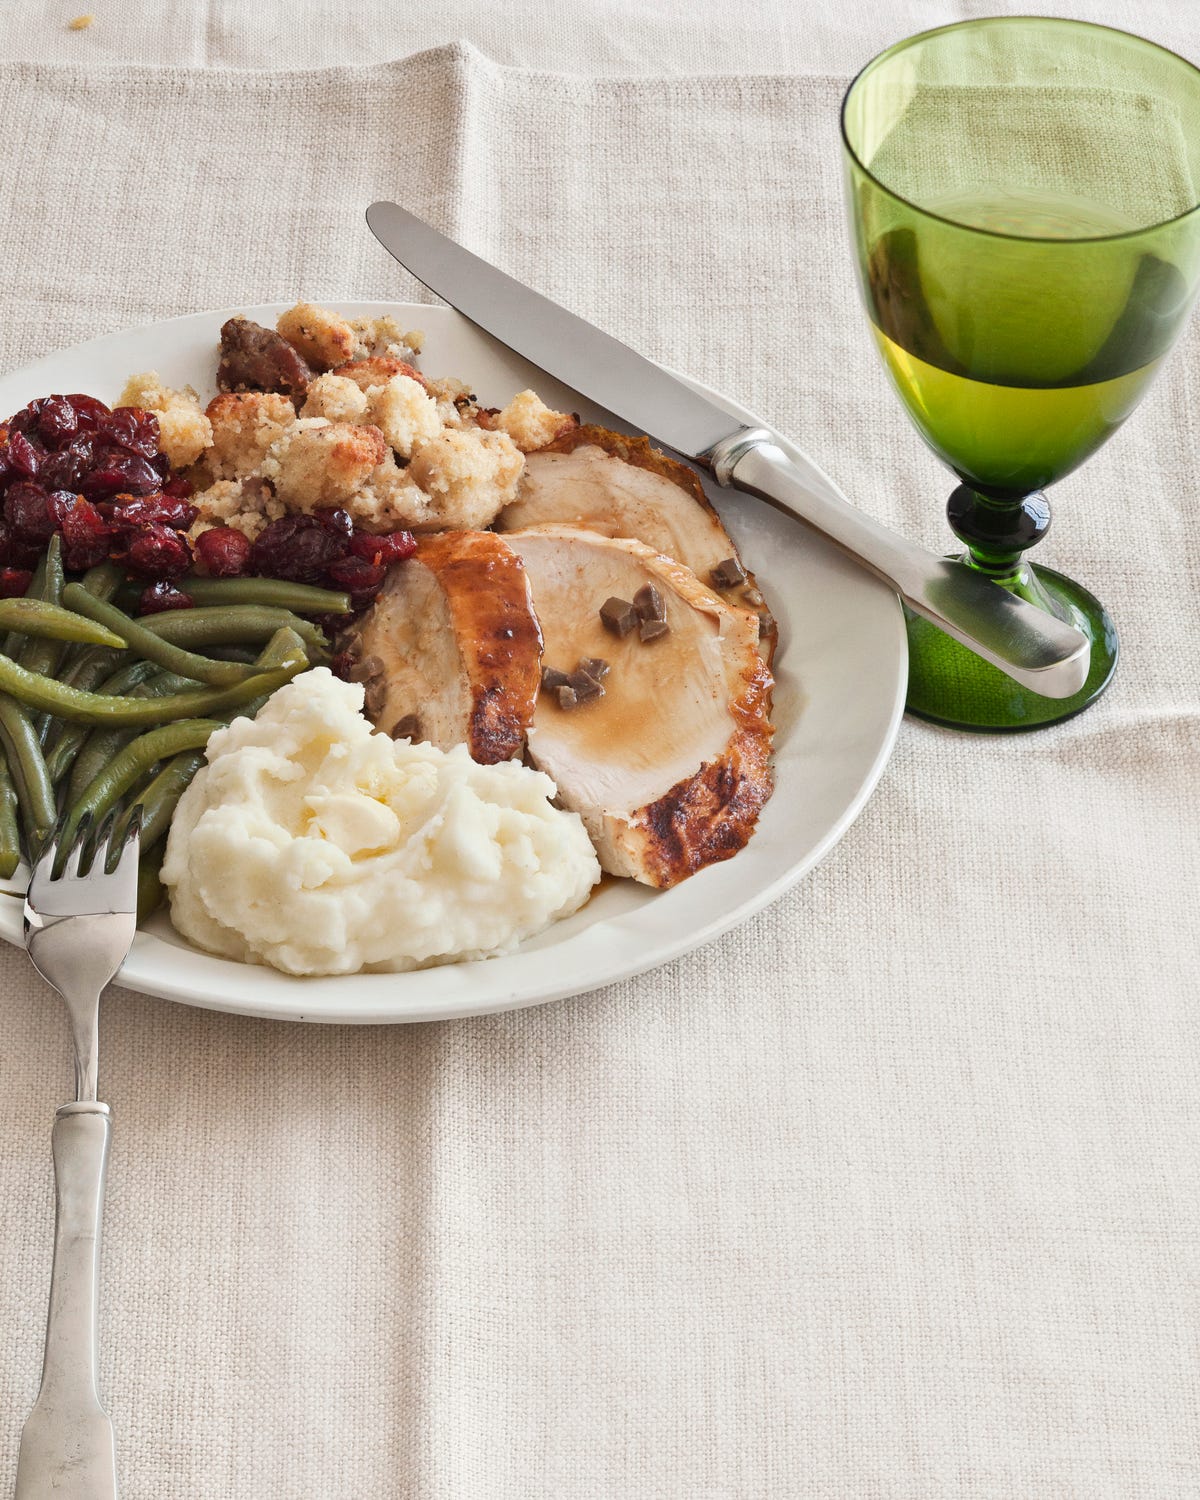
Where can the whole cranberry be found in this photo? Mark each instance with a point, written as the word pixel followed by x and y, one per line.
pixel 156 552
pixel 179 488
pixel 133 429
pixel 14 582
pixel 25 554
pixel 89 412
pixel 393 546
pixel 222 552
pixel 60 503
pixel 161 465
pixel 362 580
pixel 117 471
pixel 27 511
pixel 298 548
pixel 342 665
pixel 337 523
pixel 160 597
pixel 24 420
pixel 162 510
pixel 24 455
pixel 58 421
pixel 86 536
pixel 65 469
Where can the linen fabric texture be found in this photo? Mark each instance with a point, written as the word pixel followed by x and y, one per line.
pixel 891 1192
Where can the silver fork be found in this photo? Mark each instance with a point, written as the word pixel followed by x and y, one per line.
pixel 79 927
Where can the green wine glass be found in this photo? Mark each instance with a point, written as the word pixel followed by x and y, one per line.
pixel 1023 198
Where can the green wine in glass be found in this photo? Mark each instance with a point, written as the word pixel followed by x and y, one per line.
pixel 1023 198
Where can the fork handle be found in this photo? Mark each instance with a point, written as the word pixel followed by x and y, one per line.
pixel 67 1447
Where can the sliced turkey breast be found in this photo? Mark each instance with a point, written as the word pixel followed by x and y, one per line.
pixel 450 652
pixel 622 486
pixel 669 768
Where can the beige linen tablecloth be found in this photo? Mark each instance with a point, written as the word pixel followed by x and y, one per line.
pixel 891 1193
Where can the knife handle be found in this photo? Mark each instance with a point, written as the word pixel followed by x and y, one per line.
pixel 1036 649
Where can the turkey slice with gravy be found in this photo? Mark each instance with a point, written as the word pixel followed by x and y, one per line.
pixel 670 767
pixel 622 486
pixel 450 651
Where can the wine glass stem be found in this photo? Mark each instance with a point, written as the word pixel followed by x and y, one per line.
pixel 997 531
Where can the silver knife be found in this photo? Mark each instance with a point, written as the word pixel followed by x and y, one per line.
pixel 1036 649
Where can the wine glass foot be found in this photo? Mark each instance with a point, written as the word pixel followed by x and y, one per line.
pixel 949 685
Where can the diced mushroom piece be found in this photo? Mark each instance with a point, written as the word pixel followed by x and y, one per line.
pixel 670 768
pixel 730 574
pixel 618 615
pixel 254 358
pixel 460 648
pixel 622 486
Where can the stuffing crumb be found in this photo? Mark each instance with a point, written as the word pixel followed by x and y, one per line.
pixel 403 413
pixel 244 425
pixel 399 408
pixel 337 398
pixel 318 463
pixel 384 336
pixel 378 370
pixel 184 431
pixel 530 422
pixel 327 340
pixel 470 476
pixel 80 23
pixel 452 397
pixel 245 504
pixel 390 500
pixel 321 337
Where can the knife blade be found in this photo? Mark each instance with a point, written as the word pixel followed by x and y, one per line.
pixel 1041 652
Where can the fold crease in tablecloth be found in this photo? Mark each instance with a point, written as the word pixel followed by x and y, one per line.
pixel 892 1192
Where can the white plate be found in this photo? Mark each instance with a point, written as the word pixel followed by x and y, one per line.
pixel 841 671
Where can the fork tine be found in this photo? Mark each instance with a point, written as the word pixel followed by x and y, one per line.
pixel 131 834
pixel 79 846
pixel 44 864
pixel 102 842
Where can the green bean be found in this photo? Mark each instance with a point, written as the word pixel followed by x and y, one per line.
pixel 284 649
pixel 37 582
pixel 10 830
pixel 50 622
pixel 96 752
pixel 96 708
pixel 233 625
pixel 44 655
pixel 71 737
pixel 150 891
pixel 160 796
pixel 92 666
pixel 232 653
pixel 100 746
pixel 103 580
pixel 151 644
pixel 300 597
pixel 132 764
pixel 35 793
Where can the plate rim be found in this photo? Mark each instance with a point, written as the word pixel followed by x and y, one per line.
pixel 166 986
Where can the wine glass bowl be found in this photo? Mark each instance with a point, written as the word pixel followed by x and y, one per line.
pixel 1023 202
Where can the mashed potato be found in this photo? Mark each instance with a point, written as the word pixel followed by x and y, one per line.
pixel 314 844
